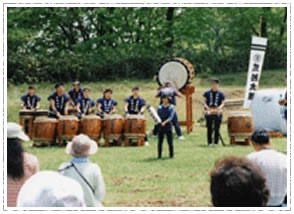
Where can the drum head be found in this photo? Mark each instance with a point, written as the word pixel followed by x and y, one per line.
pixel 174 71
pixel 112 117
pixel 69 117
pixel 139 117
pixel 88 117
pixel 239 114
pixel 45 120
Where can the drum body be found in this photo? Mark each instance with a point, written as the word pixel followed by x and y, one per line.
pixel 134 126
pixel 177 70
pixel 44 131
pixel 26 120
pixel 240 126
pixel 113 127
pixel 91 125
pixel 67 128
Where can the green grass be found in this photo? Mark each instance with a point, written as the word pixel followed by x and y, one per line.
pixel 133 175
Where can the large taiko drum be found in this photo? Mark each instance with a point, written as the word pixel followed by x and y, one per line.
pixel 67 128
pixel 177 70
pixel 27 117
pixel 91 125
pixel 44 131
pixel 240 127
pixel 112 128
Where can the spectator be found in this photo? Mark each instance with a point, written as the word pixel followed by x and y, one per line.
pixel 50 189
pixel 20 165
pixel 237 182
pixel 273 165
pixel 82 170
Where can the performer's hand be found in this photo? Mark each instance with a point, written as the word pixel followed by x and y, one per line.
pixel 58 114
pixel 163 124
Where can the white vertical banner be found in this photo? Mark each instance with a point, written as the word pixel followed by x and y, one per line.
pixel 258 47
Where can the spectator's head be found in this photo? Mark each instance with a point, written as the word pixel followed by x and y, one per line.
pixel 15 135
pixel 32 90
pixel 50 189
pixel 214 83
pixel 107 93
pixel 260 139
pixel 135 91
pixel 76 85
pixel 86 91
pixel 59 88
pixel 81 146
pixel 237 182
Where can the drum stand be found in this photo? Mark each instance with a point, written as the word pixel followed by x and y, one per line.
pixel 188 91
pixel 138 141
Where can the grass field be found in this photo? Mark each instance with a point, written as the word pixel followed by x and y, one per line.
pixel 133 175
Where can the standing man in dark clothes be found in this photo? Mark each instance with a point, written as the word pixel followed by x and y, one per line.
pixel 135 105
pixel 30 101
pixel 59 102
pixel 75 93
pixel 85 104
pixel 166 113
pixel 213 99
pixel 172 93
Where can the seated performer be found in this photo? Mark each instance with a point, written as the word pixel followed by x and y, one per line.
pixel 59 102
pixel 75 93
pixel 172 93
pixel 85 104
pixel 106 105
pixel 136 105
pixel 30 101
pixel 213 100
pixel 166 113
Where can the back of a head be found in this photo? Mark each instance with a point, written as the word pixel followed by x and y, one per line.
pixel 50 189
pixel 15 168
pixel 237 182
pixel 260 136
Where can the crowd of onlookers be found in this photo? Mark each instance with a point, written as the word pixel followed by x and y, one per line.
pixel 260 179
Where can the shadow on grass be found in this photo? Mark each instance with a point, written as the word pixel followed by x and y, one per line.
pixel 155 159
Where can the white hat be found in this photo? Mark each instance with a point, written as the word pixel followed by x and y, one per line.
pixel 50 189
pixel 14 130
pixel 81 146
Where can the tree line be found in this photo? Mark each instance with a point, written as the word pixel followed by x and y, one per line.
pixel 63 44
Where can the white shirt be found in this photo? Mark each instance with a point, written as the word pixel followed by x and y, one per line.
pixel 274 166
pixel 93 175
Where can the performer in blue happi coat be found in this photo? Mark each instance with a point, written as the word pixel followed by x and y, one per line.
pixel 213 99
pixel 85 104
pixel 135 105
pixel 59 102
pixel 30 101
pixel 106 105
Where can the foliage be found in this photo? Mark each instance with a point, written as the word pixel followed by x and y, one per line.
pixel 53 44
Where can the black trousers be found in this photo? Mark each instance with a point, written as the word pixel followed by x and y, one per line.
pixel 213 123
pixel 169 136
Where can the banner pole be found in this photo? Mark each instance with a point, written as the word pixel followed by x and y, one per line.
pixel 260 26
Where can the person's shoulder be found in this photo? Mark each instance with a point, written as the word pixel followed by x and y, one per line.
pixel 79 99
pixel 206 92
pixel 52 95
pixel 100 99
pixel 24 96
pixel 30 159
pixel 64 165
pixel 114 101
pixel 127 99
pixel 252 155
